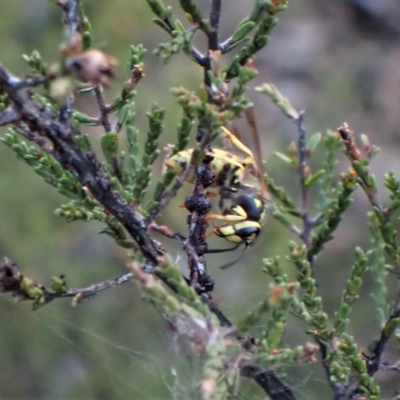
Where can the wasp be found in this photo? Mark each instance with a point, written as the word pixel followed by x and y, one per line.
pixel 242 204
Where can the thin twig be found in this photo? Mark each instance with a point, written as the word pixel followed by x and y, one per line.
pixel 104 109
pixel 296 230
pixel 355 155
pixel 89 292
pixel 389 367
pixel 12 280
pixel 225 45
pixel 302 163
pixel 164 230
pixel 338 388
pixel 169 194
pixel 302 168
pixel 308 223
pixel 198 57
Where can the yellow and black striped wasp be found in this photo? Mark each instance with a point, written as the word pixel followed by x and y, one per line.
pixel 240 187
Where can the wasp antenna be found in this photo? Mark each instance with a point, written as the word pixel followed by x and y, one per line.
pixel 214 251
pixel 226 266
pixel 251 120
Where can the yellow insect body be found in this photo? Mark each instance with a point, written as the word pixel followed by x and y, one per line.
pixel 242 207
pixel 179 161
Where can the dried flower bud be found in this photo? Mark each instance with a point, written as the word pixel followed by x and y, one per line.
pixel 251 63
pixel 275 295
pixel 136 75
pixel 308 354
pixel 307 172
pixel 208 387
pixel 74 46
pixel 215 61
pixel 293 150
pixel 92 66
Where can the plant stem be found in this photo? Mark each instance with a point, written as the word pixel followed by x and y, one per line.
pixel 213 36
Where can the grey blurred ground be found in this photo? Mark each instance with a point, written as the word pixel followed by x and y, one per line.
pixel 340 61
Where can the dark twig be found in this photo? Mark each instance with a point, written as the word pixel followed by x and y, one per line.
pixel 36 81
pixel 215 15
pixel 71 18
pixel 42 143
pixel 104 109
pixel 374 361
pixel 268 381
pixel 65 114
pixel 198 206
pixel 9 115
pixel 213 37
pixel 84 166
pixel 338 388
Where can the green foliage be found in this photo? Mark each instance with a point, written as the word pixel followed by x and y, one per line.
pixel 350 294
pixel 125 172
pixel 142 174
pixel 282 102
pixel 181 42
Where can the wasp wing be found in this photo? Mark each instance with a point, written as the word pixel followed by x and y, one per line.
pixel 251 120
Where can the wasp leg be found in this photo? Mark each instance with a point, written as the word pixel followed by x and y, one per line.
pixel 212 194
pixel 226 218
pixel 209 234
pixel 236 142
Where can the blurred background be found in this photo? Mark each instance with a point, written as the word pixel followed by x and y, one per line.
pixel 339 61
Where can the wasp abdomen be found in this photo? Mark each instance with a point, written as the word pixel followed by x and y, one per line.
pixel 245 231
pixel 253 207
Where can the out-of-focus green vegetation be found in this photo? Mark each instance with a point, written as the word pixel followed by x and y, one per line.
pixel 115 347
